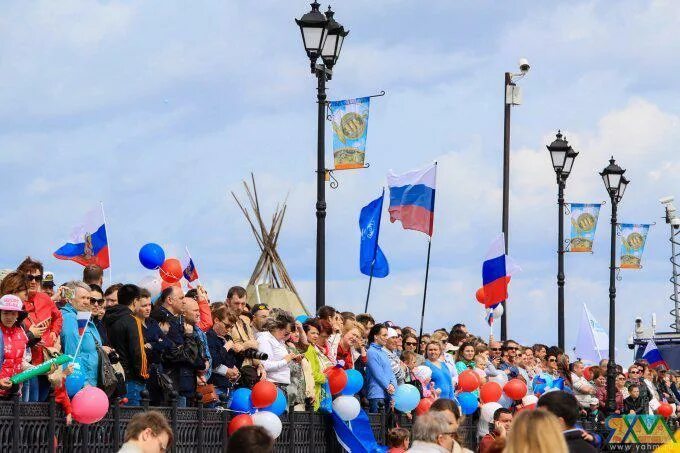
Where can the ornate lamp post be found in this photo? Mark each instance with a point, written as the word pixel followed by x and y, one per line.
pixel 562 156
pixel 616 184
pixel 322 37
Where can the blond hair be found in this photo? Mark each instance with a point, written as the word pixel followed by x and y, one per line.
pixel 439 336
pixel 536 431
pixel 354 325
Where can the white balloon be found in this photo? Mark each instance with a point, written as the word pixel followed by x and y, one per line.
pixel 488 410
pixel 151 283
pixel 422 373
pixel 347 407
pixel 501 378
pixel 269 421
pixel 528 400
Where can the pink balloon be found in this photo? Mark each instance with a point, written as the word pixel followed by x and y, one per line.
pixel 89 405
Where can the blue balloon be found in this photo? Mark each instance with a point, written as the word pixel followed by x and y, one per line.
pixel 240 401
pixel 74 382
pixel 279 405
pixel 151 256
pixel 468 402
pixel 302 318
pixel 406 398
pixel 355 382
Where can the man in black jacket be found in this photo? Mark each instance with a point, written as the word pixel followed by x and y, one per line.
pixel 124 331
pixel 566 408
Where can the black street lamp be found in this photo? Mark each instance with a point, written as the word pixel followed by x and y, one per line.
pixel 615 183
pixel 511 96
pixel 322 37
pixel 562 156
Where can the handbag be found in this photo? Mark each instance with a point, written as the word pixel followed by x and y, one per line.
pixel 106 378
pixel 208 393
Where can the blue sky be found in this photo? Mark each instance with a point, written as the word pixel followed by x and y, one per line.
pixel 159 110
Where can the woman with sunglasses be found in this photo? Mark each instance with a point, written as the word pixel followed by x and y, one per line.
pixel 411 344
pixel 97 304
pixel 225 373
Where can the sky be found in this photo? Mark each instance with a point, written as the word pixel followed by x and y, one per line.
pixel 159 110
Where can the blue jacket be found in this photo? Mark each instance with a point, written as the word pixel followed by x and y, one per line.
pixel 441 376
pixel 204 340
pixel 379 373
pixel 87 358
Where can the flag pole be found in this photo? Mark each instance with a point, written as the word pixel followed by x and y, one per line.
pixel 427 273
pixel 198 280
pixel 80 341
pixel 101 203
pixel 375 251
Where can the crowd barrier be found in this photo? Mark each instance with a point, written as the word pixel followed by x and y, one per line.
pixel 41 427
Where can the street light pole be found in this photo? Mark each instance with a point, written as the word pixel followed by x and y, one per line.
pixel 510 98
pixel 562 156
pixel 616 184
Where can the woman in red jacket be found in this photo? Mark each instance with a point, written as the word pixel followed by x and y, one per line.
pixel 14 340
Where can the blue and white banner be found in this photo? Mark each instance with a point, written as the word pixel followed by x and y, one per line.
pixel 583 225
pixel 633 239
pixel 350 127
pixel 372 260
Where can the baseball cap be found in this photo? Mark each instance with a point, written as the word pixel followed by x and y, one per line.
pixel 48 279
pixel 258 307
pixel 10 302
pixel 391 333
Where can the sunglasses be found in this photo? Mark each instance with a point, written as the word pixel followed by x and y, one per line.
pixel 410 343
pixel 633 372
pixel 552 360
pixel 511 348
pixel 34 278
pixel 96 301
pixel 495 349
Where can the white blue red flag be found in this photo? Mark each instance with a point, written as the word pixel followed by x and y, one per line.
pixel 88 243
pixel 412 198
pixel 495 277
pixel 653 356
pixel 188 268
pixel 83 317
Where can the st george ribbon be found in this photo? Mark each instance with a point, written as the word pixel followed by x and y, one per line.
pixel 583 225
pixel 350 127
pixel 633 238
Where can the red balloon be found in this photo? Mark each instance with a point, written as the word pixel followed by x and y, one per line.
pixel 165 285
pixel 423 406
pixel 480 295
pixel 239 421
pixel 490 392
pixel 171 270
pixel 468 381
pixel 89 405
pixel 263 394
pixel 515 389
pixel 588 373
pixel 337 379
pixel 665 410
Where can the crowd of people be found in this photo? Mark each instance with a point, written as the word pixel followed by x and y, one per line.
pixel 186 347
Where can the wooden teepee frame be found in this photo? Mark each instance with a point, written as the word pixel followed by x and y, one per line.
pixel 269 268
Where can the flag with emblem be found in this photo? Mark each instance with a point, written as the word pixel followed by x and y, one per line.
pixel 372 260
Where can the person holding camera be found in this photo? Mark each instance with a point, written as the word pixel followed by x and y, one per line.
pixel 272 341
pixel 245 343
pixel 225 373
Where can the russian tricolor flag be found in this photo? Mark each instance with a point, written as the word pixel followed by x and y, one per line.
pixel 83 317
pixel 496 271
pixel 653 356
pixel 412 198
pixel 188 268
pixel 88 243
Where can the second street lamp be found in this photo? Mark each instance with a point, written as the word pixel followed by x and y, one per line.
pixel 616 184
pixel 562 156
pixel 322 37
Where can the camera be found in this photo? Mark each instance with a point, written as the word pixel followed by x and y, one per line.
pixel 524 65
pixel 254 354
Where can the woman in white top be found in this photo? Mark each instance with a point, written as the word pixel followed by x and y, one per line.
pixel 272 341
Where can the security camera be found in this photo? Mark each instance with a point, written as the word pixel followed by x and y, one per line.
pixel 675 222
pixel 631 342
pixel 524 65
pixel 638 320
pixel 667 200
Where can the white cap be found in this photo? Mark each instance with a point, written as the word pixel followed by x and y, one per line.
pixel 10 302
pixel 391 333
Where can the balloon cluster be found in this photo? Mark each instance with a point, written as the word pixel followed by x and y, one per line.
pixel 261 406
pixel 544 383
pixel 152 256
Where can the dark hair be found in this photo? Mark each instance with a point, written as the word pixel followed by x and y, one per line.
pixel 325 312
pixel 112 289
pixel 222 312
pixel 193 293
pixel 445 404
pixel 375 330
pixel 95 287
pixel 311 322
pixel 29 264
pixel 348 315
pixel 561 404
pixel 459 353
pixel 250 439
pixel 507 343
pixel 165 294
pixel 500 411
pixel 153 420
pixel 397 436
pixel 365 318
pixel 160 316
pixel 144 293
pixel 633 386
pixel 458 326
pixel 325 327
pixel 237 291
pixel 127 294
pixel 13 283
pixel 456 336
pixel 537 348
pixel 92 273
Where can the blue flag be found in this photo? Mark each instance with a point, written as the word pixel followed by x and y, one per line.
pixel 370 255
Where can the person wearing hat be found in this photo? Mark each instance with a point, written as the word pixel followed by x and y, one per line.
pixel 14 339
pixel 260 314
pixel 48 283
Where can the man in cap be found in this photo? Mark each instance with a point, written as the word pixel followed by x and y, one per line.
pixel 48 283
